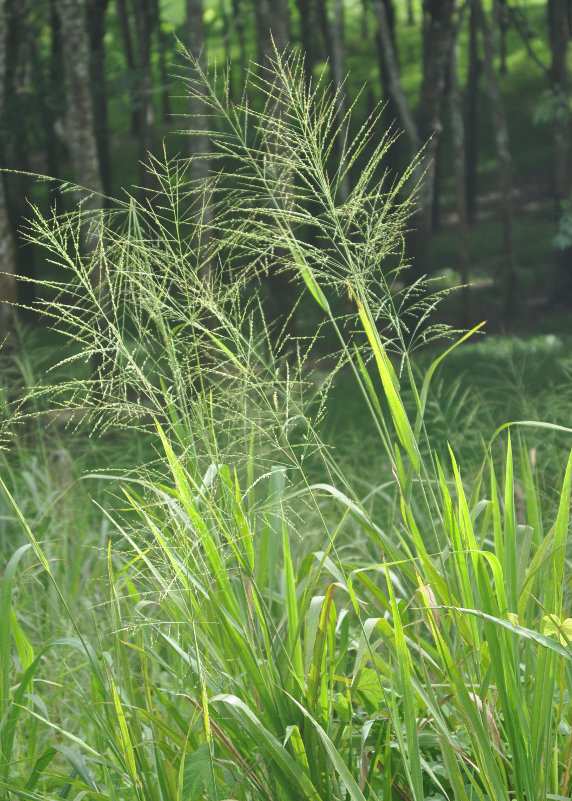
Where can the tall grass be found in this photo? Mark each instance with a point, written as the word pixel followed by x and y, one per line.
pixel 248 649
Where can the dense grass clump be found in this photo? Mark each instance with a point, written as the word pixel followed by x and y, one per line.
pixel 262 627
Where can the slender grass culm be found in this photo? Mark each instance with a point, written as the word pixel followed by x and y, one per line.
pixel 248 649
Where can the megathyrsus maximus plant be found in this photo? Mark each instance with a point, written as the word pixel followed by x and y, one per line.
pixel 241 664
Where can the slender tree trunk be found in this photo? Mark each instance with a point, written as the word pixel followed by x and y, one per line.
pixel 145 111
pixel 459 164
pixel 437 45
pixel 500 14
pixel 392 79
pixel 55 101
pixel 200 144
pixel 7 250
pixel 502 142
pixel 96 11
pixel 162 46
pixel 238 22
pixel 392 117
pixel 559 26
pixel 426 128
pixel 226 34
pixel 364 27
pixel 436 205
pixel 82 143
pixel 79 122
pixel 333 30
pixel 124 26
pixel 272 26
pixel 24 71
pixel 473 78
pixel 308 27
pixel 410 15
pixel 559 30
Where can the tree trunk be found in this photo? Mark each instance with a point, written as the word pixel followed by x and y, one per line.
pixel 96 11
pixel 473 78
pixel 143 12
pixel 79 122
pixel 55 102
pixel 226 33
pixel 459 162
pixel 308 27
pixel 425 130
pixel 500 21
pixel 333 30
pixel 364 27
pixel 7 250
pixel 128 51
pixel 392 79
pixel 559 30
pixel 82 143
pixel 238 22
pixel 162 45
pixel 392 117
pixel 25 71
pixel 502 142
pixel 438 38
pixel 410 16
pixel 272 26
pixel 436 205
pixel 200 144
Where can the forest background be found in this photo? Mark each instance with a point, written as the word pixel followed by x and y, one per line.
pixel 89 89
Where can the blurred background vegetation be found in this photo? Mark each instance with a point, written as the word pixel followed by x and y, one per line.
pixel 90 87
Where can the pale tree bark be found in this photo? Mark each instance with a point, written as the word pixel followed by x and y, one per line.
pixel 79 119
pixel 559 27
pixel 223 13
pixel 7 249
pixel 80 135
pixel 502 143
pixel 392 79
pixel 54 102
pixel 392 117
